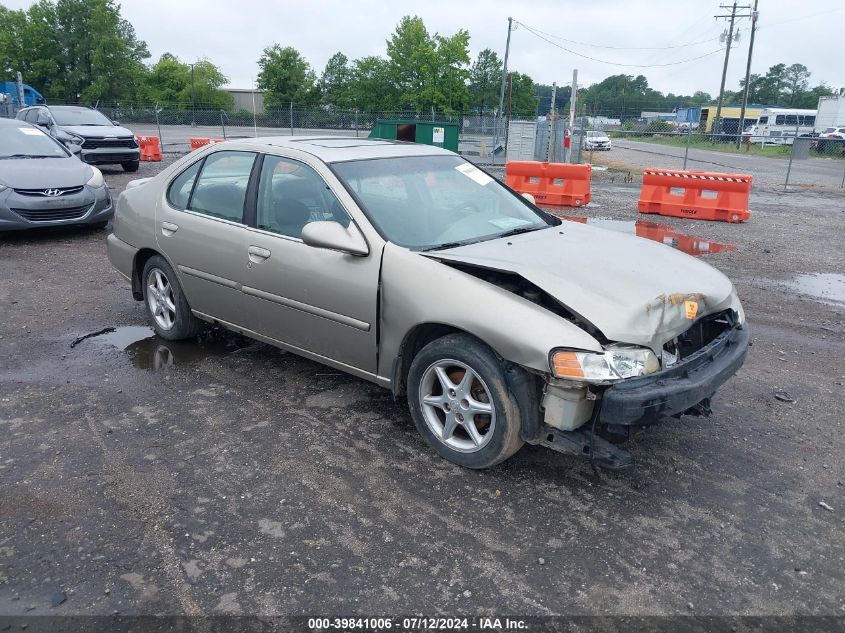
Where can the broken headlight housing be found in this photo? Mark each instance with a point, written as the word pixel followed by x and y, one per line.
pixel 615 363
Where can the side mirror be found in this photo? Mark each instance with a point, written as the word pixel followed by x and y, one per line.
pixel 529 197
pixel 74 148
pixel 332 235
pixel 115 122
pixel 43 121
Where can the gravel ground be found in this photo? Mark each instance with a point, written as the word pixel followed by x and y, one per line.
pixel 220 476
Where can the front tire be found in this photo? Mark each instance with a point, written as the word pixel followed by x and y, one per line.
pixel 131 167
pixel 460 402
pixel 168 310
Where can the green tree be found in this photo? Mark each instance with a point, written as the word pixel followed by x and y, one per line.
pixel 797 82
pixel 485 80
pixel 334 82
pixel 74 50
pixel 411 53
pixel 371 87
pixel 522 96
pixel 286 78
pixel 170 81
pixel 451 73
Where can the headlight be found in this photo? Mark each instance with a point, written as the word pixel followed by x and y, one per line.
pixel 3 188
pixel 614 363
pixel 740 311
pixel 96 179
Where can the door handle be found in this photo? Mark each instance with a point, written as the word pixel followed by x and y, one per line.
pixel 258 254
pixel 168 228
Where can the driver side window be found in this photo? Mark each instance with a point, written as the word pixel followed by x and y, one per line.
pixel 290 195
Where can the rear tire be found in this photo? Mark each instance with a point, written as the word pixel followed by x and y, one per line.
pixel 472 421
pixel 168 310
pixel 131 167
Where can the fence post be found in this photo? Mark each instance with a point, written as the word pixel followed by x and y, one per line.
pixel 158 125
pixel 222 125
pixel 791 152
pixel 842 184
pixel 686 151
pixel 356 122
pixel 291 118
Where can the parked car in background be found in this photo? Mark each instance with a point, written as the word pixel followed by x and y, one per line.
pixel 43 184
pixel 597 140
pixel 101 141
pixel 407 266
pixel 830 140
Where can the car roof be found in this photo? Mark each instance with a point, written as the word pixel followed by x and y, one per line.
pixel 335 149
pixel 14 123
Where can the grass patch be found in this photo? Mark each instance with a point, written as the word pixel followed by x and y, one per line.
pixel 699 142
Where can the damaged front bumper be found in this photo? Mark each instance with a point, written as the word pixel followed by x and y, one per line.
pixel 678 389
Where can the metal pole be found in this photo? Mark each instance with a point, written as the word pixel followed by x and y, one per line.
pixel 158 125
pixel 19 87
pixel 718 121
pixel 254 121
pixel 551 141
pixel 686 151
pixel 573 104
pixel 193 104
pixel 842 184
pixel 356 122
pixel 222 125
pixel 754 15
pixel 499 114
pixel 791 152
pixel 291 118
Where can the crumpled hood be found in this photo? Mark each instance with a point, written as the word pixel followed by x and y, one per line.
pixel 43 173
pixel 98 130
pixel 632 289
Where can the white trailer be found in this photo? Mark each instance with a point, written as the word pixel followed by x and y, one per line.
pixel 831 112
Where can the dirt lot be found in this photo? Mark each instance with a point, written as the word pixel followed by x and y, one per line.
pixel 220 476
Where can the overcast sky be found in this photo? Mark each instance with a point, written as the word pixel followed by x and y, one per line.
pixel 232 34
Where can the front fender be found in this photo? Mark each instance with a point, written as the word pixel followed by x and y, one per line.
pixel 416 289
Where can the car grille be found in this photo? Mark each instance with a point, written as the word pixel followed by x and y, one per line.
pixel 109 143
pixel 701 334
pixel 42 193
pixel 107 158
pixel 53 215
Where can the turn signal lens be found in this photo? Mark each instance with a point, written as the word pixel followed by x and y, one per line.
pixel 567 364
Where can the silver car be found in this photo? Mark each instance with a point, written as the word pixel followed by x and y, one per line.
pixel 43 184
pixel 409 267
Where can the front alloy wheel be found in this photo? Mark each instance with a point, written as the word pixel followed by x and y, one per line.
pixel 461 403
pixel 457 406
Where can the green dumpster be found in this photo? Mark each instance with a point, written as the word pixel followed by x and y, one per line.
pixel 440 133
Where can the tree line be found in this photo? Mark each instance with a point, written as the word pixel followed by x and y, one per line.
pixel 84 51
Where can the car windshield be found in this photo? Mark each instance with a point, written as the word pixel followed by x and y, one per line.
pixel 28 142
pixel 430 202
pixel 79 116
pixel 596 133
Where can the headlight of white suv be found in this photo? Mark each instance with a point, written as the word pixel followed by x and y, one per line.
pixel 615 363
pixel 96 179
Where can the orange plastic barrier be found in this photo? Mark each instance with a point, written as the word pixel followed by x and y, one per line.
pixel 560 184
pixel 196 143
pixel 150 147
pixel 696 194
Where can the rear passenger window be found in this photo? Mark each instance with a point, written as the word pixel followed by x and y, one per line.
pixel 180 189
pixel 220 190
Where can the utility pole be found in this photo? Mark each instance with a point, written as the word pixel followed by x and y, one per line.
pixel 717 122
pixel 193 105
pixel 754 16
pixel 573 104
pixel 552 116
pixel 504 82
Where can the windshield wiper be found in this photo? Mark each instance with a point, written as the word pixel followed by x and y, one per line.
pixel 518 231
pixel 445 245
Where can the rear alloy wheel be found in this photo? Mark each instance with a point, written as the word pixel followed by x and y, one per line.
pixel 167 307
pixel 461 404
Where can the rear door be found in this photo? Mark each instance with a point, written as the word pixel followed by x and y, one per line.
pixel 200 228
pixel 318 300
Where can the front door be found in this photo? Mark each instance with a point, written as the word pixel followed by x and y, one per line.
pixel 200 228
pixel 314 299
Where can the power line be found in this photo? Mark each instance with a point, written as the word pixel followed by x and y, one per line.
pixel 604 61
pixel 618 48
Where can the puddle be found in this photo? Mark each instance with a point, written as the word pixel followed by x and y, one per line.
pixel 146 350
pixel 653 231
pixel 825 287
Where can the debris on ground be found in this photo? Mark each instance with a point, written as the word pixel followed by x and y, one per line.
pixel 784 396
pixel 824 505
pixel 79 339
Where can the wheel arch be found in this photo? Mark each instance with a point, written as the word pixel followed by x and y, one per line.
pixel 141 258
